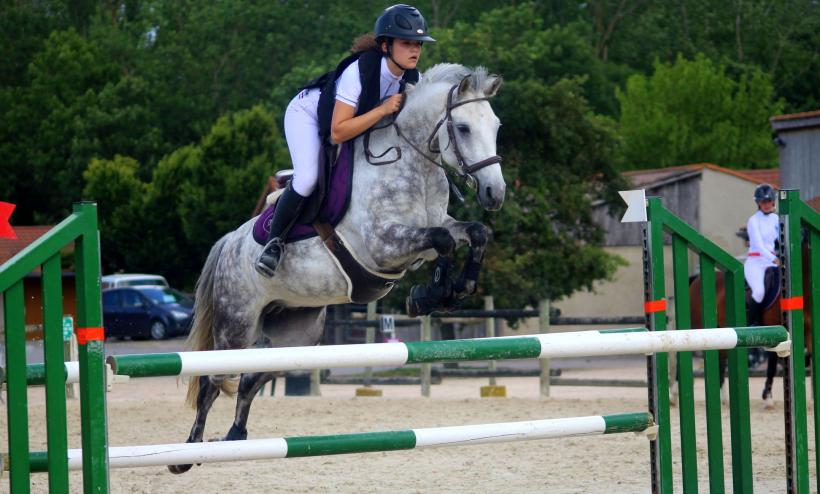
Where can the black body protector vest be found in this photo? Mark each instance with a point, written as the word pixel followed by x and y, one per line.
pixel 369 76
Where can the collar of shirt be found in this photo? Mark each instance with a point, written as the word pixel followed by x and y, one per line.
pixel 388 79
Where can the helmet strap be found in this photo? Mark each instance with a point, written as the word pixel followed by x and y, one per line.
pixel 390 54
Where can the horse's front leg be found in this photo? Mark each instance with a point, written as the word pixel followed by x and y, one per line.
pixel 476 236
pixel 401 244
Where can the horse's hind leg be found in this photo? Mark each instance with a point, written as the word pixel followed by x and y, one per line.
pixel 249 385
pixel 771 370
pixel 208 392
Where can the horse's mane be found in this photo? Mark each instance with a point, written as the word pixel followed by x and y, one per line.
pixel 447 74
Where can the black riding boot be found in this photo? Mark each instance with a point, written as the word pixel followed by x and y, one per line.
pixel 288 208
pixel 755 313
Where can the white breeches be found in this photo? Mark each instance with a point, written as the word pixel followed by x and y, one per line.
pixel 304 144
pixel 754 270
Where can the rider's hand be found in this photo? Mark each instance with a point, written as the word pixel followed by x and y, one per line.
pixel 777 261
pixel 391 105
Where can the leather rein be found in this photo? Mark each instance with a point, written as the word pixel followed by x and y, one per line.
pixel 466 170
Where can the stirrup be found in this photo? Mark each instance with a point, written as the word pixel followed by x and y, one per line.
pixel 271 257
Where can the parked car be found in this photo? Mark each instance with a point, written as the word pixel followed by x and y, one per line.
pixel 132 279
pixel 146 311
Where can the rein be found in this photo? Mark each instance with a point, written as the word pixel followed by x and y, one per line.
pixel 466 170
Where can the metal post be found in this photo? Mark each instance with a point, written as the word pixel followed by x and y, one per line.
pixel 425 368
pixel 544 363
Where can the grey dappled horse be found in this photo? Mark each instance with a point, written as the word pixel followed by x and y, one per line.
pixel 397 219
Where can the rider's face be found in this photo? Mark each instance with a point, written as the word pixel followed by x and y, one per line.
pixel 406 52
pixel 767 206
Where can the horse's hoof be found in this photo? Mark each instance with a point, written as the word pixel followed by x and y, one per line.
pixel 178 469
pixel 768 403
pixel 236 434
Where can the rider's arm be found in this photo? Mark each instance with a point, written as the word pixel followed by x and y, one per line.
pixel 345 126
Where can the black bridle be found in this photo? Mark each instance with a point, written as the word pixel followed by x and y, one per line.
pixel 465 170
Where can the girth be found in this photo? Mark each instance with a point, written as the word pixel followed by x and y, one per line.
pixel 363 285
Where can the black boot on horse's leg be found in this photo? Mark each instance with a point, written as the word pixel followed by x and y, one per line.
pixel 288 208
pixel 436 295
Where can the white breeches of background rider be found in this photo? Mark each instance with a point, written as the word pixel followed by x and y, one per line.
pixel 304 144
pixel 754 270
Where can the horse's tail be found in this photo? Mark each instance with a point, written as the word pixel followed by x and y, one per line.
pixel 201 335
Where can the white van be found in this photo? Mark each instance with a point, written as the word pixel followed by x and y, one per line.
pixel 121 280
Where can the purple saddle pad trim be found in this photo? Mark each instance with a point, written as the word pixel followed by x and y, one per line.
pixel 333 209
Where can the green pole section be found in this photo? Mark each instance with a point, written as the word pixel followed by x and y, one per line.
pixel 367 442
pixel 814 269
pixel 714 434
pixel 657 364
pixel 55 376
pixel 686 380
pixel 795 369
pixel 489 349
pixel 91 355
pixel 627 422
pixel 738 362
pixel 149 365
pixel 17 392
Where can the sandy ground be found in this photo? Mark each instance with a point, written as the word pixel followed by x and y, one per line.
pixel 151 411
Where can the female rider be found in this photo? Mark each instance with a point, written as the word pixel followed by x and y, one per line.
pixel 763 229
pixel 400 31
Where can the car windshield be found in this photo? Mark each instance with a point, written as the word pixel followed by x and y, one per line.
pixel 166 296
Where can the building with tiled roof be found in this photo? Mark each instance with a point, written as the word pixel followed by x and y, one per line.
pixel 716 201
pixel 798 140
pixel 25 236
pixel 32 283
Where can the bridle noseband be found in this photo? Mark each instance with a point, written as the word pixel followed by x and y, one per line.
pixel 466 170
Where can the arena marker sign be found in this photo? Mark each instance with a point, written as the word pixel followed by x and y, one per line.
pixel 635 205
pixel 6 231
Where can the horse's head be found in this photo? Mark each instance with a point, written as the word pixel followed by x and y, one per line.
pixel 467 133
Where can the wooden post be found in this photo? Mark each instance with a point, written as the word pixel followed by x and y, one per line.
pixel 425 368
pixel 544 328
pixel 492 390
pixel 370 337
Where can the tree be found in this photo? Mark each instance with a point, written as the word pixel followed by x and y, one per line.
pixel 692 111
pixel 558 156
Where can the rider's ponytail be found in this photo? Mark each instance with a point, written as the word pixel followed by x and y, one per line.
pixel 364 42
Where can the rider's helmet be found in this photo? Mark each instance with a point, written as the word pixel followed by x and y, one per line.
pixel 403 22
pixel 764 192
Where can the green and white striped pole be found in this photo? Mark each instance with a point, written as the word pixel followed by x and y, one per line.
pixel 292 447
pixel 577 344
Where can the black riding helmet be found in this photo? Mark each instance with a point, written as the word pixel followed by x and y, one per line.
pixel 764 192
pixel 403 22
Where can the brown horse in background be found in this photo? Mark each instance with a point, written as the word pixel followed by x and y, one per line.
pixel 772 316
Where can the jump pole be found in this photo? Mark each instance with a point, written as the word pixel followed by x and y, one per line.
pixel 576 344
pixel 292 447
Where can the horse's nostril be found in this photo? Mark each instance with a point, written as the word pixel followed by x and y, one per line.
pixel 489 193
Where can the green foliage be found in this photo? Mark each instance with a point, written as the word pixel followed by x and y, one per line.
pixel 167 112
pixel 692 111
pixel 119 194
pixel 227 173
pixel 558 157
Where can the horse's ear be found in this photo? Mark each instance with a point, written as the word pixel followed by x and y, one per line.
pixel 493 86
pixel 464 86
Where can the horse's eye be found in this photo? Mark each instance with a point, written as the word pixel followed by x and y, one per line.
pixel 463 128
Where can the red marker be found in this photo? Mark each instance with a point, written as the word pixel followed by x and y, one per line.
pixel 6 231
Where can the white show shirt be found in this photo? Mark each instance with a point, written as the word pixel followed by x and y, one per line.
pixel 349 86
